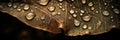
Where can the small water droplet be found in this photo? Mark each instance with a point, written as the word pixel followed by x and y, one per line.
pixel 43 2
pixel 72 0
pixel 83 1
pixel 54 13
pixel 90 4
pixel 60 7
pixel 60 0
pixel 76 22
pixel 71 11
pixel 58 13
pixel 51 8
pixel 19 9
pixel 26 7
pixel 82 11
pixel 30 16
pixel 63 9
pixel 81 14
pixel 84 26
pixel 60 4
pixel 43 18
pixel 96 11
pixel 105 13
pixel 74 15
pixel 89 28
pixel 116 11
pixel 92 8
pixel 14 6
pixel 105 4
pixel 86 18
pixel 9 4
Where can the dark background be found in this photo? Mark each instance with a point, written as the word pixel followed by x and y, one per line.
pixel 13 29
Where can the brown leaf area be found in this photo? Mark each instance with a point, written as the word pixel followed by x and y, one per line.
pixel 74 17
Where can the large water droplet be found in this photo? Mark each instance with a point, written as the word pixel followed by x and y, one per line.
pixel 30 16
pixel 105 13
pixel 26 7
pixel 116 11
pixel 86 18
pixel 43 2
pixel 76 22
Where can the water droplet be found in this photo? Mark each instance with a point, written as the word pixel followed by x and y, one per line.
pixel 54 13
pixel 90 4
pixel 71 11
pixel 72 0
pixel 76 22
pixel 43 2
pixel 86 18
pixel 96 11
pixel 92 8
pixel 58 13
pixel 112 6
pixel 81 14
pixel 106 13
pixel 60 4
pixel 9 4
pixel 19 9
pixel 89 28
pixel 26 7
pixel 74 15
pixel 116 11
pixel 51 8
pixel 85 26
pixel 83 1
pixel 60 0
pixel 30 16
pixel 43 18
pixel 14 6
pixel 60 7
pixel 105 4
pixel 63 9
pixel 82 11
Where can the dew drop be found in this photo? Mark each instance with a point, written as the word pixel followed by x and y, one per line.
pixel 43 18
pixel 71 11
pixel 19 9
pixel 86 18
pixel 51 8
pixel 76 22
pixel 14 6
pixel 60 0
pixel 54 13
pixel 26 7
pixel 90 4
pixel 43 2
pixel 30 16
pixel 105 13
pixel 83 1
pixel 82 11
pixel 92 8
pixel 74 15
pixel 116 11
pixel 84 26
pixel 9 4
